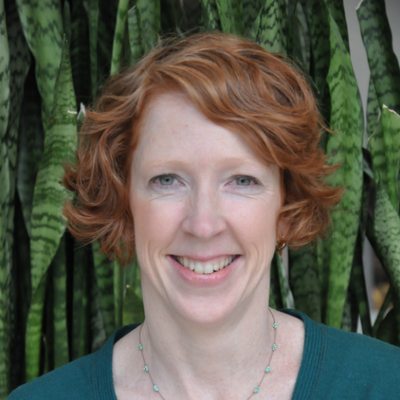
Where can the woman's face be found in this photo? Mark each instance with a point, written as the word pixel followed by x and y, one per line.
pixel 200 196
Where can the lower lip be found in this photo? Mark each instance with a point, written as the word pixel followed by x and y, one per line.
pixel 204 280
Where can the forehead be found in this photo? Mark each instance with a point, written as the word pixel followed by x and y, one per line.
pixel 172 126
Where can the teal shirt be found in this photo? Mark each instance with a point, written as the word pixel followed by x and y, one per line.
pixel 335 365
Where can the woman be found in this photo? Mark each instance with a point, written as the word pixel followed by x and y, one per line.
pixel 204 156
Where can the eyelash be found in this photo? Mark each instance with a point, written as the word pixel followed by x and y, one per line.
pixel 153 180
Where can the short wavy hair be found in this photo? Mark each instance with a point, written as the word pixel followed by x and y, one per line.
pixel 236 84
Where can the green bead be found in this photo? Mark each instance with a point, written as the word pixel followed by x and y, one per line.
pixel 274 347
pixel 140 347
pixel 268 369
pixel 155 388
pixel 256 389
pixel 146 368
pixel 275 325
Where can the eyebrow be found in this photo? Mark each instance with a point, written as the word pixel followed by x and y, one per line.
pixel 231 161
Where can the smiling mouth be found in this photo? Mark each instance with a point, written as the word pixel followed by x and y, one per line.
pixel 204 268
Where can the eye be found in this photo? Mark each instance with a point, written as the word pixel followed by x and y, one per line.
pixel 164 180
pixel 245 181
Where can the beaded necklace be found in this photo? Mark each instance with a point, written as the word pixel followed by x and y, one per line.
pixel 256 389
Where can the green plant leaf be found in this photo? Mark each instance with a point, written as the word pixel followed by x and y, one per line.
pixel 133 311
pixel 80 52
pixel 251 9
pixel 150 22
pixel 382 311
pixel 33 337
pixel 135 40
pixel 43 26
pixel 5 197
pixel 377 38
pixel 92 10
pixel 231 16
pixel 210 15
pixel 304 282
pixel 384 235
pixel 387 329
pixel 80 314
pixel 105 280
pixel 336 10
pixel 30 146
pixel 373 109
pixel 345 148
pixel 48 224
pixel 300 39
pixel 269 27
pixel 385 152
pixel 119 36
pixel 59 320
pixel 318 20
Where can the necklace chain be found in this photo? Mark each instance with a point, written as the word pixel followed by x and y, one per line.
pixel 256 389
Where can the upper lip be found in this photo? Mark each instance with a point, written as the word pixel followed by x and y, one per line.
pixel 203 258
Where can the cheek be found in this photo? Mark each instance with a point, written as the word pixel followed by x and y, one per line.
pixel 254 221
pixel 155 224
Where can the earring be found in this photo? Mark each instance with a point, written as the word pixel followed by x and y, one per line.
pixel 281 247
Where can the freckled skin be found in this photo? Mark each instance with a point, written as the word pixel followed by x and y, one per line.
pixel 200 207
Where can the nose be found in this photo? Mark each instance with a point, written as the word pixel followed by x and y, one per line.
pixel 204 219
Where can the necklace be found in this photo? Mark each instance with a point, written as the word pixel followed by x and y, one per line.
pixel 256 389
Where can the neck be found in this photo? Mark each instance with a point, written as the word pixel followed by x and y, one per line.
pixel 222 359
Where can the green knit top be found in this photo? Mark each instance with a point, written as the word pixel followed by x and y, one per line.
pixel 335 365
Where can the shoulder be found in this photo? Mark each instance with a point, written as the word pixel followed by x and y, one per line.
pixel 89 377
pixel 56 385
pixel 344 365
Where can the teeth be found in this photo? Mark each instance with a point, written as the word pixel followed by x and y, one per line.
pixel 207 268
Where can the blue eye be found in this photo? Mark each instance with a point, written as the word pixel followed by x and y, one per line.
pixel 166 180
pixel 245 181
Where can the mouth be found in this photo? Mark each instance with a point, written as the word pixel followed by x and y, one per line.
pixel 206 267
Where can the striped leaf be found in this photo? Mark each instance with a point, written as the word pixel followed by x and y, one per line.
pixel 97 329
pixel 30 146
pixel 276 295
pixel 43 28
pixel 48 224
pixel 383 311
pixel 269 28
pixel 119 36
pixel 345 148
pixel 133 311
pixel 5 197
pixel 59 319
pixel 373 109
pixel 150 22
pixel 251 9
pixel 135 41
pixel 385 152
pixel 384 235
pixel 304 282
pixel 377 38
pixel 287 295
pixel 317 17
pixel 300 39
pixel 80 52
pixel 33 336
pixel 80 337
pixel 336 10
pixel 231 16
pixel 92 10
pixel 104 269
pixel 210 15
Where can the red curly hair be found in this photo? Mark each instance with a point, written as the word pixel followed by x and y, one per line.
pixel 236 84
